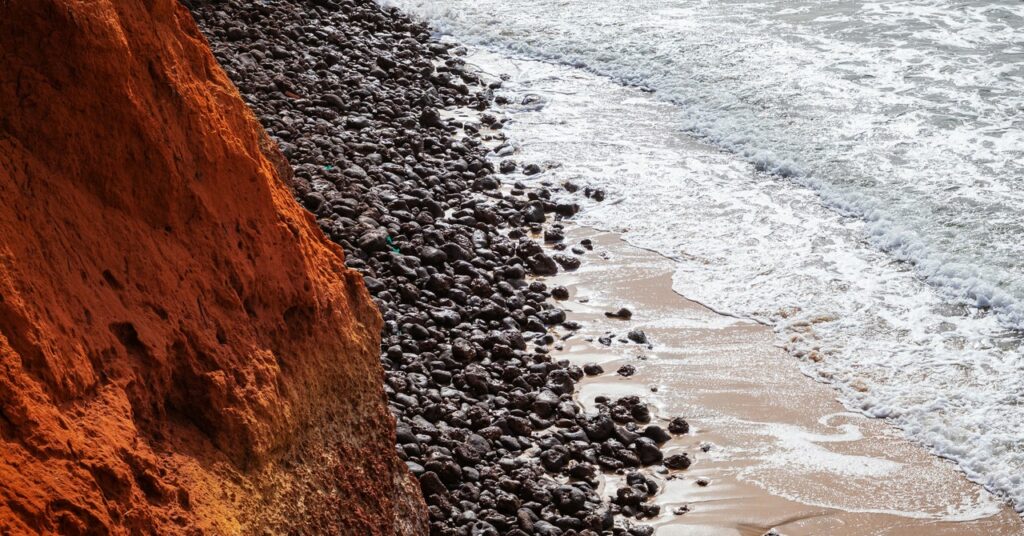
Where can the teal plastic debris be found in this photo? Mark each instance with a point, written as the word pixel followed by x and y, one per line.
pixel 391 243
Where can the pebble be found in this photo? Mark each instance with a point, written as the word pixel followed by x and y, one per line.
pixel 656 433
pixel 623 313
pixel 353 94
pixel 637 335
pixel 678 425
pixel 678 461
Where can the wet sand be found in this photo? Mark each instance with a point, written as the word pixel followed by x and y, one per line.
pixel 782 453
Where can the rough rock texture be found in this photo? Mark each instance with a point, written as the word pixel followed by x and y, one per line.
pixel 389 132
pixel 181 350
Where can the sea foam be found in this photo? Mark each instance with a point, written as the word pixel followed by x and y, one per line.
pixel 857 163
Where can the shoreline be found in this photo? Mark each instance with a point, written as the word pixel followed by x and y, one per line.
pixel 387 133
pixel 700 366
pixel 857 319
pixel 484 397
pixel 571 104
pixel 343 275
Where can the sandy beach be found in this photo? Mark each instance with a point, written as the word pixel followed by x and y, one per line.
pixel 782 453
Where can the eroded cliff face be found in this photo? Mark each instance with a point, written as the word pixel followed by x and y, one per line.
pixel 181 350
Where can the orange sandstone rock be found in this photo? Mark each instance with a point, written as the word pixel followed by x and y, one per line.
pixel 181 349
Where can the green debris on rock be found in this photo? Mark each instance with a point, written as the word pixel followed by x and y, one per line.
pixel 392 244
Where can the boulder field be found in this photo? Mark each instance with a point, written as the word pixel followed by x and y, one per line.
pixel 398 147
pixel 182 351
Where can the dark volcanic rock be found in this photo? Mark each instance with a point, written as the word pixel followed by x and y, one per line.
pixel 567 262
pixel 657 433
pixel 541 264
pixel 534 212
pixel 648 452
pixel 353 93
pixel 638 336
pixel 622 313
pixel 678 425
pixel 678 461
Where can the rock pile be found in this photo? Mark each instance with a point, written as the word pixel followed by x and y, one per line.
pixel 357 97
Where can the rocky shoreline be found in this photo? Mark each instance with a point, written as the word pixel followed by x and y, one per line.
pixel 357 98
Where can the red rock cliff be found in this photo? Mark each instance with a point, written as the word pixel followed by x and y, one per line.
pixel 181 350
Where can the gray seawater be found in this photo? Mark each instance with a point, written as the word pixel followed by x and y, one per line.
pixel 850 172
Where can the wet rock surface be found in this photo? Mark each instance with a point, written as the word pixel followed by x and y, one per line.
pixel 360 100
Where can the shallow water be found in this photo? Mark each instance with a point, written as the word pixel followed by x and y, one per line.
pixel 775 449
pixel 850 172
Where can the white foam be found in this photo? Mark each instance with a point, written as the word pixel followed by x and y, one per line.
pixel 834 141
pixel 876 127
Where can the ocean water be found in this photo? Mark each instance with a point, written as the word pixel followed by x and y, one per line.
pixel 851 173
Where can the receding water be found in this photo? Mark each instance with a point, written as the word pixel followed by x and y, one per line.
pixel 850 172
